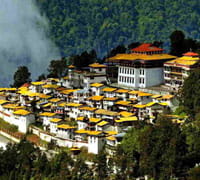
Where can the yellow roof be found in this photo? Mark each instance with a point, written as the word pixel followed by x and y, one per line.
pixel 111 138
pixel 71 66
pixel 80 118
pixel 156 96
pixel 178 121
pixel 13 106
pixel 75 149
pixel 63 104
pixel 132 99
pixel 95 120
pixel 22 112
pixel 134 56
pixel 96 85
pixel 124 103
pixel 46 105
pixel 134 92
pixel 29 93
pixel 68 91
pixel 127 119
pixel 8 89
pixel 48 114
pixel 73 104
pixel 55 100
pixel 65 126
pixel 81 131
pixel 151 104
pixel 102 123
pixel 94 133
pixel 126 114
pixel 55 120
pixel 110 98
pixel 144 94
pixel 167 96
pixel 66 77
pixel 185 60
pixel 23 88
pixel 111 132
pixel 50 86
pixel 106 112
pixel 3 101
pixel 107 89
pixel 37 83
pixel 87 108
pixel 140 106
pixel 44 96
pixel 97 65
pixel 96 98
pixel 164 104
pixel 122 91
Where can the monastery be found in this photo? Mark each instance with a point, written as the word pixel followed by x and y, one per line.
pixel 84 110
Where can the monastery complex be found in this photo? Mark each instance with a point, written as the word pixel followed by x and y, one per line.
pixel 96 107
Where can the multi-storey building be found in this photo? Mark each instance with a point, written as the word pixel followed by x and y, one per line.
pixel 77 78
pixel 142 68
pixel 177 70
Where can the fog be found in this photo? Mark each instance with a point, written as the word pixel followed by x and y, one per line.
pixel 23 40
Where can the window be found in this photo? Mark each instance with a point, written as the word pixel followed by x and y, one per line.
pixel 141 80
pixel 132 71
pixel 133 80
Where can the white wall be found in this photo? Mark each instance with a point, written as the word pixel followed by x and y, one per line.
pixel 154 76
pixel 130 76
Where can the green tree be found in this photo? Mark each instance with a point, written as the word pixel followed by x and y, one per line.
pixel 163 150
pixel 57 68
pixel 194 173
pixel 177 43
pixel 21 76
pixel 190 94
pixel 101 166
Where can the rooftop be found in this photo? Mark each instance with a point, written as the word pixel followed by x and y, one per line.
pixel 146 47
pixel 97 65
pixel 144 57
pixel 22 112
pixel 188 59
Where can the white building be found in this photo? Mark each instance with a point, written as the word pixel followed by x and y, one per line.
pixel 177 70
pixel 65 131
pixel 96 141
pixel 54 125
pixel 22 119
pixel 143 68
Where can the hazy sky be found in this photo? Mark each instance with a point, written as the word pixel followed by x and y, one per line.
pixel 23 40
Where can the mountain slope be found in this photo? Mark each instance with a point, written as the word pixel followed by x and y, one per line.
pixel 78 25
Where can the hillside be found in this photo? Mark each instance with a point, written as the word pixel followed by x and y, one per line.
pixel 78 25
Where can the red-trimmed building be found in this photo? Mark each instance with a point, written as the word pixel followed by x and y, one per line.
pixel 142 68
pixel 177 70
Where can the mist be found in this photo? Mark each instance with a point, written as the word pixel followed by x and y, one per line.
pixel 23 40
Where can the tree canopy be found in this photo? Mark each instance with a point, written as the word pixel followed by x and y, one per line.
pixel 190 94
pixel 21 76
pixel 81 25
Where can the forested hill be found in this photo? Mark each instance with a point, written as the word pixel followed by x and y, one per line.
pixel 79 25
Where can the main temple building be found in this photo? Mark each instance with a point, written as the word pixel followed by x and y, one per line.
pixel 142 68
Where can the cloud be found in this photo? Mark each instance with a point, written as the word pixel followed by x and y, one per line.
pixel 23 40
